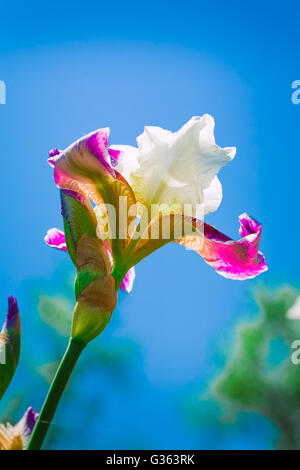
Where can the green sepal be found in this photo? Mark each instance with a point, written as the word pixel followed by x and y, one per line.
pixel 79 218
pixel 84 277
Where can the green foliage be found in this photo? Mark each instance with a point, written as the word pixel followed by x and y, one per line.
pixel 260 377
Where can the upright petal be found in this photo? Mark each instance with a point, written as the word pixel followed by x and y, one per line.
pixel 177 168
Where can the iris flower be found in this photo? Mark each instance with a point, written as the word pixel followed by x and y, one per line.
pixel 166 171
pixel 120 204
pixel 16 437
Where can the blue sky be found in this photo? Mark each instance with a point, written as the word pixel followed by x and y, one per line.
pixel 72 67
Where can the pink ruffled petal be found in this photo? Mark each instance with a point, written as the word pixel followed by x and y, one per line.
pixel 248 225
pixel 85 166
pixel 127 283
pixel 53 153
pixel 233 259
pixel 97 144
pixel 56 239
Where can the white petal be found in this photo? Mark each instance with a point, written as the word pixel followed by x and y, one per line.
pixel 213 196
pixel 180 167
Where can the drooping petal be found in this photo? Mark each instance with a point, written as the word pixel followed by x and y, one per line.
pixel 239 259
pixel 233 259
pixel 56 239
pixel 127 283
pixel 248 225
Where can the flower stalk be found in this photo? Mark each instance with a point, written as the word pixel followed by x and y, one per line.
pixel 62 376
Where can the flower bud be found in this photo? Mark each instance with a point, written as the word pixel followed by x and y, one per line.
pixel 9 345
pixel 95 290
pixel 17 437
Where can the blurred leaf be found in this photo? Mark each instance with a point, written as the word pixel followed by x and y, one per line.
pixel 56 312
pixel 259 376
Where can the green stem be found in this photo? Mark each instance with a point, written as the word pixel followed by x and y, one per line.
pixel 55 393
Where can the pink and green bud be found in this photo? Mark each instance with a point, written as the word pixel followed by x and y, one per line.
pixel 10 343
